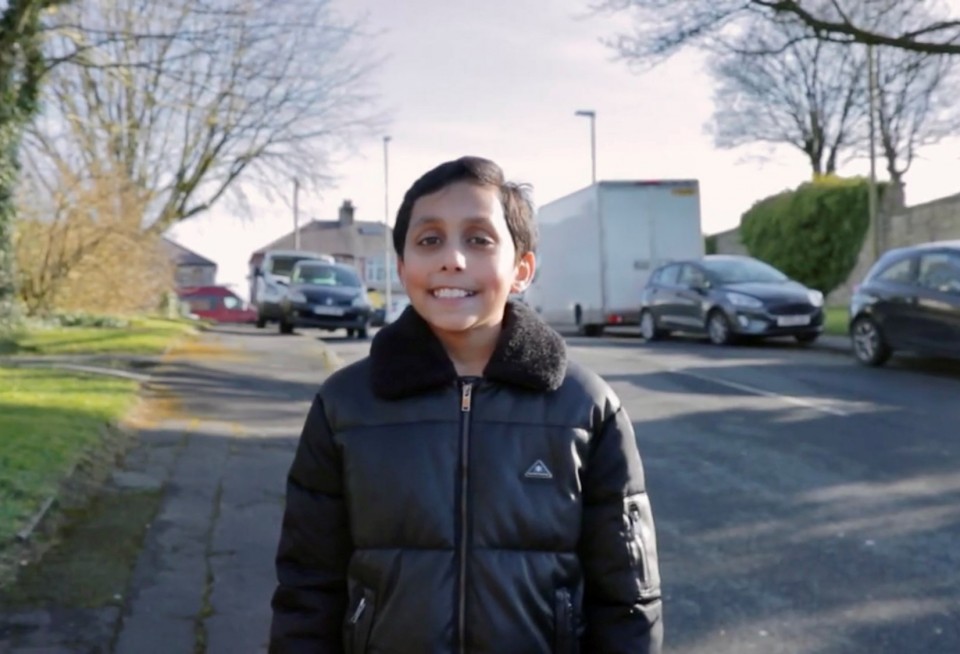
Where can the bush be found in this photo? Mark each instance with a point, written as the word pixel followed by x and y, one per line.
pixel 813 233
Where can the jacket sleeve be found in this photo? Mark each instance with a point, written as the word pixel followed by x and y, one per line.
pixel 618 547
pixel 315 545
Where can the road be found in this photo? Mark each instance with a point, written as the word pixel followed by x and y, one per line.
pixel 804 504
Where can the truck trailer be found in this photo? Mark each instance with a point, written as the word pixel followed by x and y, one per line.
pixel 597 247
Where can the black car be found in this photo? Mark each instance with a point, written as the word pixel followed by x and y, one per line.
pixel 327 296
pixel 910 300
pixel 727 297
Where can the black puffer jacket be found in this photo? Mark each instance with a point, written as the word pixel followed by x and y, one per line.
pixel 428 514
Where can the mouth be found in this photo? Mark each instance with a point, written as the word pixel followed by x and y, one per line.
pixel 447 293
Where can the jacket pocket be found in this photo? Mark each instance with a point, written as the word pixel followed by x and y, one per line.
pixel 642 543
pixel 564 632
pixel 360 622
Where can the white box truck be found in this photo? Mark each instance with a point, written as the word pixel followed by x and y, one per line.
pixel 597 247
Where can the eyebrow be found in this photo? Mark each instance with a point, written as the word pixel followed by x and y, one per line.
pixel 429 220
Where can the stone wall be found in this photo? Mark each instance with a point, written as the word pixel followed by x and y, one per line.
pixel 938 220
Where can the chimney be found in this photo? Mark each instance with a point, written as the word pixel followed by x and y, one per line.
pixel 346 214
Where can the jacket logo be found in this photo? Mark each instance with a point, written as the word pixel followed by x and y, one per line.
pixel 538 470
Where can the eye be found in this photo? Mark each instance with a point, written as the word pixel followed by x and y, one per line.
pixel 429 240
pixel 481 239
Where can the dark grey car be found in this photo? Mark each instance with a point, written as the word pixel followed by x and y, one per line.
pixel 726 297
pixel 327 296
pixel 910 301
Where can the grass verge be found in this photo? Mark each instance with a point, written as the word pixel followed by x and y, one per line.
pixel 50 420
pixel 142 336
pixel 836 320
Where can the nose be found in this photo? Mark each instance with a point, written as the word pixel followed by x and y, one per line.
pixel 453 258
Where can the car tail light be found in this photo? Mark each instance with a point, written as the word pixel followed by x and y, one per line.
pixel 614 319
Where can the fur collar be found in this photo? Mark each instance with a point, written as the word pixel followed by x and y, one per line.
pixel 407 358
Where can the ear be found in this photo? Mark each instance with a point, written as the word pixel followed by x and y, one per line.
pixel 524 272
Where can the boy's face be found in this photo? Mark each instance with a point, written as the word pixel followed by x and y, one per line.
pixel 459 263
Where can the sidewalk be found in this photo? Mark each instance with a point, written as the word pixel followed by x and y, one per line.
pixel 204 578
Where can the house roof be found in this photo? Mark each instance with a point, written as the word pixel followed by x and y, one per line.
pixel 332 237
pixel 183 256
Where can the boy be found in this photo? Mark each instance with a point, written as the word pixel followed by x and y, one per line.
pixel 465 488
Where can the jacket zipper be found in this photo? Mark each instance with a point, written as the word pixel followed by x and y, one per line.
pixel 466 400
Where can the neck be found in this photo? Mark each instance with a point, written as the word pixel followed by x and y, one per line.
pixel 470 350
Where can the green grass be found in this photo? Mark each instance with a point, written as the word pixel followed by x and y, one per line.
pixel 48 420
pixel 836 321
pixel 142 336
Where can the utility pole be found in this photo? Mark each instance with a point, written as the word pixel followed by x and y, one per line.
pixel 592 115
pixel 872 187
pixel 296 214
pixel 386 229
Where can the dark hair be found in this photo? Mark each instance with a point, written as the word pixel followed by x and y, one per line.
pixel 515 199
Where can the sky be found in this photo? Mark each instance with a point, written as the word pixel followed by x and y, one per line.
pixel 502 79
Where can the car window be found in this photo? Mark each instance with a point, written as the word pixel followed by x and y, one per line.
pixel 326 275
pixel 231 302
pixel 900 272
pixel 202 303
pixel 940 271
pixel 669 275
pixel 692 277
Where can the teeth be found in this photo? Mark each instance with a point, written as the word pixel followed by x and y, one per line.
pixel 451 293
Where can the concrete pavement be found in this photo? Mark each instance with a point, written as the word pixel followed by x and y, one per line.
pixel 204 579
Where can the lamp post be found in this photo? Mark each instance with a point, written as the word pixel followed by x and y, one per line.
pixel 386 229
pixel 592 115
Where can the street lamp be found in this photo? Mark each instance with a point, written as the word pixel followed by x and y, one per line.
pixel 386 229
pixel 592 115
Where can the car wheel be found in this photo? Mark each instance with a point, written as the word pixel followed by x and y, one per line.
pixel 285 327
pixel 718 328
pixel 807 339
pixel 868 344
pixel 648 326
pixel 351 333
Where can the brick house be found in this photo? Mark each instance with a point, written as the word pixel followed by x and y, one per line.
pixel 356 242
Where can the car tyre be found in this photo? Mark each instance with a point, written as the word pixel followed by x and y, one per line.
pixel 719 329
pixel 362 333
pixel 869 346
pixel 285 327
pixel 648 326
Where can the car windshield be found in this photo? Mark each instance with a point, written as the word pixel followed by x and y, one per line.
pixel 740 271
pixel 284 265
pixel 327 275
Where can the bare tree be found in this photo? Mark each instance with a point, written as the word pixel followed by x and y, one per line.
pixel 809 96
pixel 916 105
pixel 661 27
pixel 185 98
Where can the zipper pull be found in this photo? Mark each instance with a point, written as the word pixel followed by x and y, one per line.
pixel 358 613
pixel 465 397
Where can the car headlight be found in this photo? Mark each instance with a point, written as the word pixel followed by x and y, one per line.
pixel 360 301
pixel 816 298
pixel 741 300
pixel 297 297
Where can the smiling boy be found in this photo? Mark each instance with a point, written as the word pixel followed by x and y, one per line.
pixel 466 488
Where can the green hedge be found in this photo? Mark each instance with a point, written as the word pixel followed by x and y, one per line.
pixel 813 233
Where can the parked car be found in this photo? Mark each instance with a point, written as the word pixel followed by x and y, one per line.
pixel 325 295
pixel 726 297
pixel 909 300
pixel 217 303
pixel 269 277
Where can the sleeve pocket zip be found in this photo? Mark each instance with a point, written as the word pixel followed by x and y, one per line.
pixel 563 623
pixel 361 622
pixel 640 557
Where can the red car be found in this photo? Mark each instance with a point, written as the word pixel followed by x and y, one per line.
pixel 217 303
